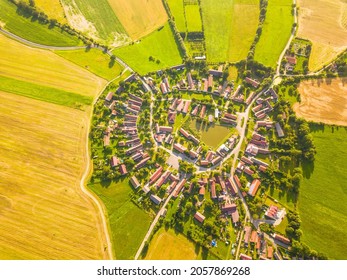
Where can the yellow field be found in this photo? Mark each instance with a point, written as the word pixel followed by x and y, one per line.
pixel 52 8
pixel 324 22
pixel 43 213
pixel 323 101
pixel 45 68
pixel 167 245
pixel 139 17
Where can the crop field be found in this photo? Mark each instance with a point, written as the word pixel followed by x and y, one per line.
pixel 96 19
pixel 139 17
pixel 323 193
pixel 52 8
pixel 50 70
pixel 165 53
pixel 324 23
pixel 93 60
pixel 230 37
pixel 32 30
pixel 44 214
pixel 276 32
pixel 128 223
pixel 177 10
pixel 323 101
pixel 193 18
pixel 167 245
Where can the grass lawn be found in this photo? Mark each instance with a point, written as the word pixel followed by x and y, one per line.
pixel 230 37
pixel 286 199
pixel 160 45
pixel 177 10
pixel 43 93
pixel 276 32
pixel 193 18
pixel 197 96
pixel 180 119
pixel 128 223
pixel 95 61
pixel 32 30
pixel 323 194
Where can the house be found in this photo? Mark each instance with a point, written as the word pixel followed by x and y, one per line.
pixel 249 98
pixel 155 199
pixel 235 217
pixel 114 161
pixel 123 170
pixel 271 212
pixel 179 187
pixel 247 160
pixel 134 182
pixel 171 117
pixel 281 238
pixel 184 132
pixel 254 187
pixel 202 191
pixel 107 139
pixel 190 81
pixel 248 171
pixel 178 147
pixel 154 177
pixel 193 154
pixel 205 85
pixel 210 118
pixel 252 150
pixel 204 162
pixel 180 105
pixel 209 155
pixel 130 79
pixel 199 217
pixel 186 107
pixel 139 99
pixel 262 168
pixel 232 187
pixel 254 237
pixel 247 230
pixel 166 82
pixel 230 116
pixel 213 189
pixel 195 110
pixel 228 208
pixel 162 179
pixel 163 88
pixel 279 130
pixel 109 96
pixel 203 111
pixel 259 162
pixel 178 67
pixel 237 181
pixel 270 252
pixel 165 129
pixel 210 82
pixel 133 149
pixel 194 139
pixel 216 160
pixel 228 121
pixel 252 82
pixel 215 73
pixel 141 163
pixel 291 60
pixel 245 257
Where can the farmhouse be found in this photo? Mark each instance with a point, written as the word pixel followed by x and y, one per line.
pixel 247 230
pixel 190 81
pixel 230 116
pixel 213 189
pixel 245 257
pixel 193 154
pixel 252 82
pixel 228 208
pixel 184 132
pixel 123 170
pixel 199 217
pixel 165 129
pixel 202 191
pixel 155 199
pixel 178 147
pixel 210 82
pixel 195 110
pixel 134 182
pixel 109 96
pixel 291 60
pixel 155 175
pixel 203 111
pixel 232 187
pixel 179 187
pixel 254 187
pixel 115 161
pixel 237 181
pixel 279 130
pixel 142 163
pixel 162 179
pixel 215 73
pixel 281 238
pixel 235 216
pixel 186 106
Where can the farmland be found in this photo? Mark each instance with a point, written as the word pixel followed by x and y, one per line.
pixel 50 70
pixel 96 19
pixel 177 10
pixel 52 8
pixel 32 30
pixel 139 17
pixel 164 54
pixel 93 60
pixel 45 215
pixel 323 101
pixel 193 18
pixel 128 222
pixel 225 41
pixel 330 18
pixel 276 32
pixel 323 194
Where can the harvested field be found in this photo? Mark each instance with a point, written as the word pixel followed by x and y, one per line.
pixel 323 101
pixel 52 8
pixel 44 214
pixel 324 23
pixel 45 68
pixel 193 18
pixel 177 10
pixel 139 17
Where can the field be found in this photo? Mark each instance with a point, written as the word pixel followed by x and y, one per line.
pixel 44 214
pixel 52 8
pixel 323 101
pixel 160 45
pixel 167 245
pixel 230 37
pixel 128 222
pixel 49 69
pixel 96 19
pixel 324 23
pixel 323 194
pixel 95 61
pixel 276 32
pixel 177 10
pixel 139 17
pixel 193 18
pixel 32 30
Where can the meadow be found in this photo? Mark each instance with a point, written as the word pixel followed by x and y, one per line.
pixel 323 193
pixel 128 223
pixel 96 19
pixel 32 30
pixel 52 8
pixel 177 10
pixel 93 60
pixel 139 17
pixel 45 68
pixel 324 23
pixel 44 214
pixel 160 45
pixel 276 32
pixel 193 18
pixel 229 38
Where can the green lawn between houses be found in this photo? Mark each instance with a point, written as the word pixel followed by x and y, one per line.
pixel 160 45
pixel 128 223
pixel 32 30
pixel 323 193
pixel 276 32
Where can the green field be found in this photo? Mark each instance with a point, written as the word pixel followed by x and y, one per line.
pixel 160 45
pixel 323 194
pixel 230 37
pixel 128 223
pixel 32 30
pixel 44 93
pixel 99 13
pixel 93 60
pixel 193 18
pixel 276 32
pixel 177 10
